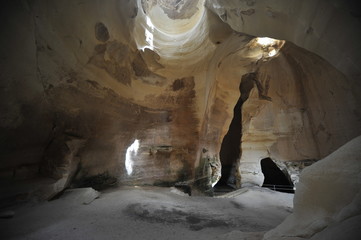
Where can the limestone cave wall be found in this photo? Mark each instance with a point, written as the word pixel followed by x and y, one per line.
pixel 82 81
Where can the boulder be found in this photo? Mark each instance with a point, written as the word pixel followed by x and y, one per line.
pixel 326 201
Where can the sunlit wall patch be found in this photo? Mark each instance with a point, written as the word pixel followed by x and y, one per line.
pixel 265 41
pixel 149 40
pixel 129 156
pixel 272 53
pixel 150 24
pixel 269 46
pixel 149 37
pixel 172 29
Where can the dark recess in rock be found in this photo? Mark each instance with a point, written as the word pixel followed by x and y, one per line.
pixel 274 178
pixel 101 32
pixel 309 30
pixel 178 84
pixel 134 12
pixel 230 148
pixel 140 67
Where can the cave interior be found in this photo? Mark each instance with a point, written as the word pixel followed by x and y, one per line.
pixel 180 118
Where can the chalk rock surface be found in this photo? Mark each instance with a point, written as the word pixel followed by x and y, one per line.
pixel 327 203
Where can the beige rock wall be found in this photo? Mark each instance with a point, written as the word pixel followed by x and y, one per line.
pixel 315 216
pixel 301 118
pixel 86 80
pixel 105 74
pixel 303 123
pixel 327 28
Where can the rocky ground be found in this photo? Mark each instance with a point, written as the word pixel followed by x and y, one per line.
pixel 149 213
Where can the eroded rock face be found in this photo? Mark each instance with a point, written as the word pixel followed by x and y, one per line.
pixel 292 125
pixel 98 95
pixel 88 80
pixel 181 9
pixel 314 215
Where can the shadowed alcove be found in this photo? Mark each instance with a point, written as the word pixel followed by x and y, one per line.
pixel 230 148
pixel 275 178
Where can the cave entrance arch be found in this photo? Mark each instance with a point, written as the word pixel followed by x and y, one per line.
pixel 275 178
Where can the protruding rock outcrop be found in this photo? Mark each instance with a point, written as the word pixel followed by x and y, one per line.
pixel 327 201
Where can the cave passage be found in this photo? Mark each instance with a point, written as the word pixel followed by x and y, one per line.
pixel 230 147
pixel 274 178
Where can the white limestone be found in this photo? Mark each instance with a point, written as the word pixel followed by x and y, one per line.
pixel 327 199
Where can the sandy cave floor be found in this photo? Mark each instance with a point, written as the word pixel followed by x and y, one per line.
pixel 150 213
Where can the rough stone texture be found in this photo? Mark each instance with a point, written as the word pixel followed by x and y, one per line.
pixel 182 9
pixel 294 168
pixel 327 202
pixel 86 79
pixel 313 25
pixel 95 100
pixel 296 122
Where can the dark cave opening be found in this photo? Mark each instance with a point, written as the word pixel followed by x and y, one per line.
pixel 231 145
pixel 275 178
pixel 230 150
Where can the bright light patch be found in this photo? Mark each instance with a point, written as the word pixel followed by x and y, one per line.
pixel 131 151
pixel 265 41
pixel 150 24
pixel 149 34
pixel 149 39
pixel 268 46
pixel 272 53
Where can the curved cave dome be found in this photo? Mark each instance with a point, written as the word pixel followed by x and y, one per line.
pixel 173 29
pixel 173 17
pixel 152 102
